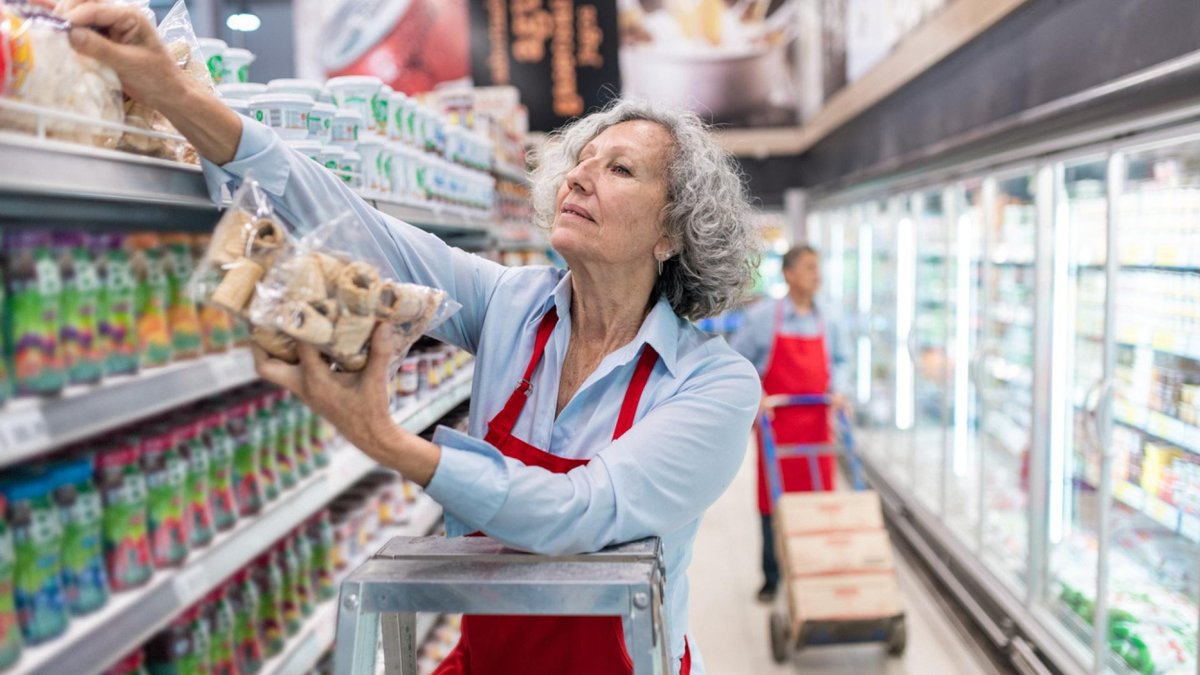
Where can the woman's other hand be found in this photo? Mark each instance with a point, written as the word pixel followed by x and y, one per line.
pixel 122 38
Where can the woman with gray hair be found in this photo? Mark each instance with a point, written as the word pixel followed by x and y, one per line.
pixel 599 414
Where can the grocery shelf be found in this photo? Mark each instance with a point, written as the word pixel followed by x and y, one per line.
pixel 444 222
pixel 32 426
pixel 95 642
pixel 43 180
pixel 1175 343
pixel 511 172
pixel 316 636
pixel 1157 424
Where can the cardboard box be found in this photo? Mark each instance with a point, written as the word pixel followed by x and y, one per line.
pixel 813 512
pixel 850 597
pixel 855 552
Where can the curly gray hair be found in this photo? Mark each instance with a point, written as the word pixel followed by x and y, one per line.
pixel 707 217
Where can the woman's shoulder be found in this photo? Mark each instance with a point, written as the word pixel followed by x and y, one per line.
pixel 701 353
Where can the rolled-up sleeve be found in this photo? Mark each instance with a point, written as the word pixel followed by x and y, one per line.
pixel 658 477
pixel 306 195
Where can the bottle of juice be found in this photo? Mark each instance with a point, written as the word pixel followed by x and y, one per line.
pixel 133 664
pixel 118 305
pixel 216 326
pixel 320 536
pixel 221 622
pixel 293 609
pixel 166 483
pixel 31 314
pixel 220 476
pixel 10 627
pixel 319 433
pixel 241 332
pixel 5 379
pixel 305 593
pixel 268 574
pixel 126 537
pixel 268 462
pixel 285 440
pixel 247 436
pixel 172 651
pixel 154 332
pixel 246 609
pixel 201 661
pixel 37 539
pixel 185 438
pixel 301 431
pixel 84 577
pixel 79 332
pixel 182 315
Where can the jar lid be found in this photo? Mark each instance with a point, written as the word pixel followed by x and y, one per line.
pixel 236 53
pixel 211 47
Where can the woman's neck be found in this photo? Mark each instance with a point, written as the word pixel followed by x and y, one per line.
pixel 608 309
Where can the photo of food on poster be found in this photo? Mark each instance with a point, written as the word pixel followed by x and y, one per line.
pixel 731 61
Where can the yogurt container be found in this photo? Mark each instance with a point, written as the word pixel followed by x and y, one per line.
pixel 397 109
pixel 287 114
pixel 241 90
pixel 358 93
pixel 289 85
pixel 347 127
pixel 213 51
pixel 371 152
pixel 320 122
pixel 235 65
pixel 309 148
pixel 331 157
pixel 381 104
pixel 352 169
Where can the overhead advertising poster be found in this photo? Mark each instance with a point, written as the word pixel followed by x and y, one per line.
pixel 731 61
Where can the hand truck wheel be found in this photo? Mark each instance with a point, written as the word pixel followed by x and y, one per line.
pixel 897 637
pixel 780 637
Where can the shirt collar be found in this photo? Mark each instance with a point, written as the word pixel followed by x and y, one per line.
pixel 789 307
pixel 660 329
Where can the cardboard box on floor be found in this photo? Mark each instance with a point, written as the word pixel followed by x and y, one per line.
pixel 851 552
pixel 850 597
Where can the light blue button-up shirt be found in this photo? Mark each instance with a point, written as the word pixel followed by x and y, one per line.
pixel 686 445
pixel 756 337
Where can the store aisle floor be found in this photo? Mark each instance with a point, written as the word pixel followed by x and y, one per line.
pixel 731 628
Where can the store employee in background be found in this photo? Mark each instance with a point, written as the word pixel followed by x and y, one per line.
pixel 798 348
pixel 599 413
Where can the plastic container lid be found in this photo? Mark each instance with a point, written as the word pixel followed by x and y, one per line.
pixel 334 150
pixel 345 114
pixel 354 81
pixel 352 156
pixel 238 105
pixel 241 90
pixel 296 85
pixel 280 98
pixel 325 108
pixel 372 141
pixel 306 146
pixel 237 54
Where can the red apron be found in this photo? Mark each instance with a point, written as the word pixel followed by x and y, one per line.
pixel 549 645
pixel 797 365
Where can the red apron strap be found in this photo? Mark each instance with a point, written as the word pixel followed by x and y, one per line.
pixel 633 393
pixel 504 421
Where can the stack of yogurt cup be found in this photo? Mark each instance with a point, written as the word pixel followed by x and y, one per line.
pixel 226 64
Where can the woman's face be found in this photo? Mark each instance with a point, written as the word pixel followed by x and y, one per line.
pixel 609 208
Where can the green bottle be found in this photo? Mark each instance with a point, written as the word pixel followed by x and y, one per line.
pixel 293 614
pixel 118 305
pixel 31 317
pixel 79 332
pixel 306 594
pixel 285 440
pixel 10 629
pixel 269 428
pixel 85 579
pixel 268 574
pixel 37 576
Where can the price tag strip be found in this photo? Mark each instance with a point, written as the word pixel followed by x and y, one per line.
pixel 23 429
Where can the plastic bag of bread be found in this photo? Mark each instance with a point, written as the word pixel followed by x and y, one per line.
pixel 45 71
pixel 244 245
pixel 334 298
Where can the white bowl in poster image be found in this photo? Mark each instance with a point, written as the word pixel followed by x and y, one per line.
pixel 721 61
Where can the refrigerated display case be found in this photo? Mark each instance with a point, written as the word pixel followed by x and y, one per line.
pixel 1048 453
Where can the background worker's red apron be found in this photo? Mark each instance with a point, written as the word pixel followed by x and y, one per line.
pixel 797 365
pixel 548 645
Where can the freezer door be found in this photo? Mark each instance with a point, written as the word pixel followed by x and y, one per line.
pixel 1153 562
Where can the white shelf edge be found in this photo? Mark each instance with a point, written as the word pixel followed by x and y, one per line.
pixel 134 616
pixel 82 411
pixel 317 635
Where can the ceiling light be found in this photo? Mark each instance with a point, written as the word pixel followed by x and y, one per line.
pixel 245 22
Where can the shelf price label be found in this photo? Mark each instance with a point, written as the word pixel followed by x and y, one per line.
pixel 235 367
pixel 23 430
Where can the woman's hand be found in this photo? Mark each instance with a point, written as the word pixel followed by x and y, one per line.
pixel 122 38
pixel 356 403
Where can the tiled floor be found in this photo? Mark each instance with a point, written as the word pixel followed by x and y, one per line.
pixel 731 628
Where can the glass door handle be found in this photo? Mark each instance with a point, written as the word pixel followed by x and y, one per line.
pixel 911 344
pixel 1098 398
